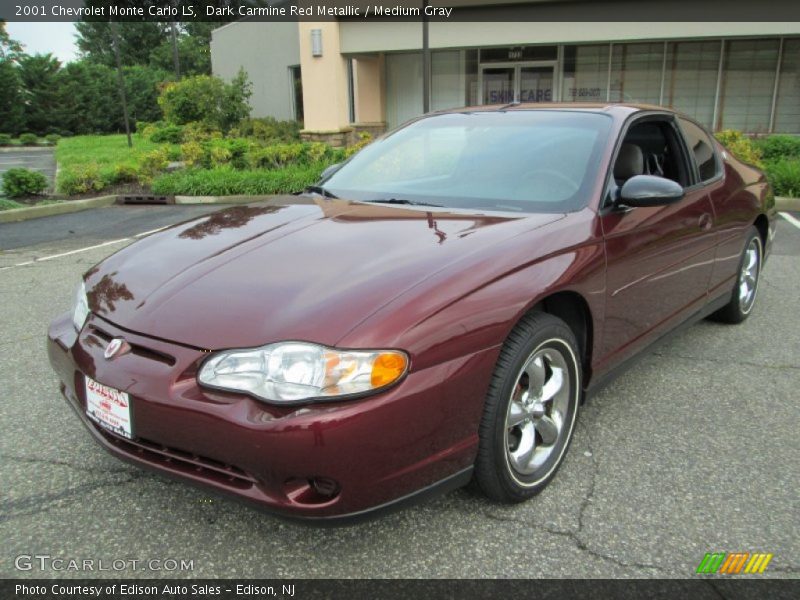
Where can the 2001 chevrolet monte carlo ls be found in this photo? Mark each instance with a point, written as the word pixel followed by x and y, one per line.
pixel 434 310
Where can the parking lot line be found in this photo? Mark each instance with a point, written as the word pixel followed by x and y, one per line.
pixel 62 254
pixel 86 249
pixel 791 219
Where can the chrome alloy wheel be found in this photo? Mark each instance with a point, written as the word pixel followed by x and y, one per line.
pixel 537 410
pixel 748 277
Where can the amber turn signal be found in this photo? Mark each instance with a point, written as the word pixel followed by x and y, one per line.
pixel 387 368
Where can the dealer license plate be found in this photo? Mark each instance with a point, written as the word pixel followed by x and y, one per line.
pixel 109 408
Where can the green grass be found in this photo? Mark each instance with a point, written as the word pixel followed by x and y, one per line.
pixel 6 204
pixel 106 153
pixel 226 181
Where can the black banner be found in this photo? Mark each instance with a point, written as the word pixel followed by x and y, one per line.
pixel 399 10
pixel 349 589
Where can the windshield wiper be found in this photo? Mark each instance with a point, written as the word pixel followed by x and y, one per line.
pixel 318 189
pixel 401 201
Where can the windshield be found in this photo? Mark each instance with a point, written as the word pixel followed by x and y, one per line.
pixel 525 161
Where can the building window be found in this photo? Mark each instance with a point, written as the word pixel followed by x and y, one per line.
pixel 691 78
pixel 748 81
pixel 636 71
pixel 787 107
pixel 403 87
pixel 585 73
pixel 447 79
pixel 297 92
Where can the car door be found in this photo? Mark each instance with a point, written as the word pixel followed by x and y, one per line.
pixel 659 259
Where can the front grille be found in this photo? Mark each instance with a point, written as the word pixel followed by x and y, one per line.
pixel 178 460
pixel 137 349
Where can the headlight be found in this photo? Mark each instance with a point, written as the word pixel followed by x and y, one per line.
pixel 81 309
pixel 296 371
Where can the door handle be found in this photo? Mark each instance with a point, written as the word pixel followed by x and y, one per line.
pixel 705 221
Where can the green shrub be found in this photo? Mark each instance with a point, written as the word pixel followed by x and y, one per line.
pixel 225 181
pixel 80 179
pixel 52 138
pixel 123 173
pixel 5 139
pixel 197 131
pixel 147 130
pixel 219 156
pixel 23 182
pixel 152 164
pixel 28 139
pixel 364 139
pixel 206 99
pixel 268 129
pixel 192 153
pixel 168 134
pixel 776 147
pixel 784 176
pixel 740 146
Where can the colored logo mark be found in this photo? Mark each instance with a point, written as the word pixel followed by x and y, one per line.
pixel 734 563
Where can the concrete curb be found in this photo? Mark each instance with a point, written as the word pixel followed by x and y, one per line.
pixel 6 149
pixel 48 210
pixel 790 204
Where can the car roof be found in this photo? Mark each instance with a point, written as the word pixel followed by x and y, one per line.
pixel 615 108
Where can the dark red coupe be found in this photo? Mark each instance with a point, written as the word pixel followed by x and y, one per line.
pixel 434 310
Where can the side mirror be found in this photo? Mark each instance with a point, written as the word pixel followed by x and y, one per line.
pixel 649 190
pixel 330 171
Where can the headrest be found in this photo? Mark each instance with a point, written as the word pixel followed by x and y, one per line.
pixel 630 162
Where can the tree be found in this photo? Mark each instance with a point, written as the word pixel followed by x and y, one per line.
pixel 206 99
pixel 88 101
pixel 12 117
pixel 194 55
pixel 142 87
pixel 38 75
pixel 9 49
pixel 136 41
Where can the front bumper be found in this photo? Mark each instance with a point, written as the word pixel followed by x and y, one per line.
pixel 376 450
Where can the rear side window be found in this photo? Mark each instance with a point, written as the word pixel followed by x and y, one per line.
pixel 702 147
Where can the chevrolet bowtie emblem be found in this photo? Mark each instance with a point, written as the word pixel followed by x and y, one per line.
pixel 115 347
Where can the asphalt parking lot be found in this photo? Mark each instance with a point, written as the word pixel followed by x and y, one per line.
pixel 40 159
pixel 694 449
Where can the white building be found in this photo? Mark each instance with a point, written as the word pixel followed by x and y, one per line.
pixel 339 75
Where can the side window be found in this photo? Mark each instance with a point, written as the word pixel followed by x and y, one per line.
pixel 651 147
pixel 702 148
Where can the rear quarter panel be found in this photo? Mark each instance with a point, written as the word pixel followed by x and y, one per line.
pixel 738 200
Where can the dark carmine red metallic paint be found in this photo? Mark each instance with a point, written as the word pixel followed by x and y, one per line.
pixel 445 286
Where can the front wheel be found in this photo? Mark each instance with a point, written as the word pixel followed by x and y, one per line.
pixel 743 297
pixel 530 411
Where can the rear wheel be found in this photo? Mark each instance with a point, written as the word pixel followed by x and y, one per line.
pixel 530 411
pixel 743 297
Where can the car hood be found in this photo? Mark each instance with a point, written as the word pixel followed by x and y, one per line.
pixel 252 275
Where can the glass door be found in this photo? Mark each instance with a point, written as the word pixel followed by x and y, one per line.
pixel 536 84
pixel 517 82
pixel 499 85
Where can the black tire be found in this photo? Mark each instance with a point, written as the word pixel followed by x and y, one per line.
pixel 736 310
pixel 537 335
